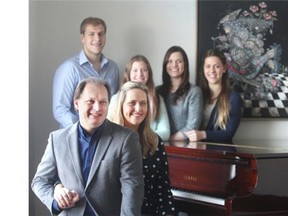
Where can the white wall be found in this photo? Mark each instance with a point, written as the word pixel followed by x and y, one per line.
pixel 134 27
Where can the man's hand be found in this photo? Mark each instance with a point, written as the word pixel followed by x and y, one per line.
pixel 65 198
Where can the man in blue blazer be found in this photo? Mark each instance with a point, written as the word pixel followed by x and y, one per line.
pixel 93 167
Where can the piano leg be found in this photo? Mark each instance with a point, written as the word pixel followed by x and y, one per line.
pixel 228 206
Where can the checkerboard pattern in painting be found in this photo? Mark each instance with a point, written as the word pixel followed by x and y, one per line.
pixel 273 104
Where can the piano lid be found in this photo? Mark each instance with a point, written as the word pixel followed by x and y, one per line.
pixel 263 148
pixel 259 148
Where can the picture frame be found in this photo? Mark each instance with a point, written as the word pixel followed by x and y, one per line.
pixel 253 36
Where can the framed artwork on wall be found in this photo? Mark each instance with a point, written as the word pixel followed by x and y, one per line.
pixel 253 36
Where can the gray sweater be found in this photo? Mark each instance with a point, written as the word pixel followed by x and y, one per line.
pixel 186 114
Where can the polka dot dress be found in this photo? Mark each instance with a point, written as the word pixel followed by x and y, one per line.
pixel 158 199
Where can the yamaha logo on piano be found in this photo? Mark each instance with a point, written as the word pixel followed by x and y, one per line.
pixel 190 178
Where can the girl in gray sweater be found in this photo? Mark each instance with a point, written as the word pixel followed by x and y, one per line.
pixel 183 100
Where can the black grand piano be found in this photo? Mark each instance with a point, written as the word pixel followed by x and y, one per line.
pixel 232 179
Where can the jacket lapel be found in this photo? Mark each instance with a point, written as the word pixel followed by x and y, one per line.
pixel 73 151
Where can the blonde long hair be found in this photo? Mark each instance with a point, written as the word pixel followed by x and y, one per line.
pixel 223 102
pixel 148 139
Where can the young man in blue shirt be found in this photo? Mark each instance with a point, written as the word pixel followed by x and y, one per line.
pixel 90 62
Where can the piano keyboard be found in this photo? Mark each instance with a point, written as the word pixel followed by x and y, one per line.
pixel 198 197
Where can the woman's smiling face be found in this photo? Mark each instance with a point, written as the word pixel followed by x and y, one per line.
pixel 135 108
pixel 214 70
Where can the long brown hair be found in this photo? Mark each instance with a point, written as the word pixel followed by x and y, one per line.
pixel 223 101
pixel 184 87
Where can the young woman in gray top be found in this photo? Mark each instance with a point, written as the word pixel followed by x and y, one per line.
pixel 183 100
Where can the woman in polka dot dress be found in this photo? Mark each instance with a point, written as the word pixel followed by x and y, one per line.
pixel 132 111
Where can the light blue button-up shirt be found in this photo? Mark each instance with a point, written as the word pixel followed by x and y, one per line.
pixel 67 77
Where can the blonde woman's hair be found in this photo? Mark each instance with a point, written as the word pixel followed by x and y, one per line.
pixel 152 93
pixel 223 101
pixel 148 139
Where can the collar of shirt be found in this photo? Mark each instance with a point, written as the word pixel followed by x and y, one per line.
pixel 87 147
pixel 83 59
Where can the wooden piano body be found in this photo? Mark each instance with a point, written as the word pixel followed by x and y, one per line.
pixel 221 176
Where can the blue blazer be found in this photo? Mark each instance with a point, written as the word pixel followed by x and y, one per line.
pixel 219 135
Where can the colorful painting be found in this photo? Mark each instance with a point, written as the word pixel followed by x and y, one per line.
pixel 253 36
